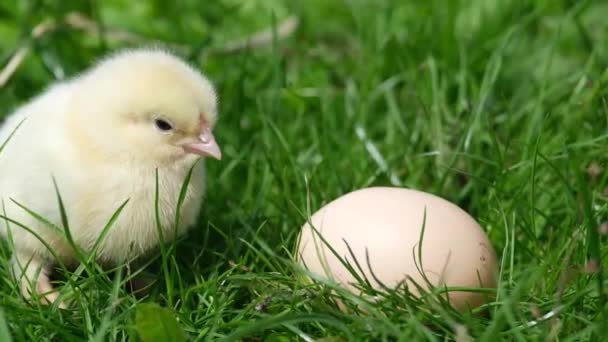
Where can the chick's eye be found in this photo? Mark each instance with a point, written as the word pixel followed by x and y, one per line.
pixel 163 125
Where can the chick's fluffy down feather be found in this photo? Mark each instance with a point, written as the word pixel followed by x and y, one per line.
pixel 101 136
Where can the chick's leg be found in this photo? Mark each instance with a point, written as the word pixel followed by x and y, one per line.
pixel 32 273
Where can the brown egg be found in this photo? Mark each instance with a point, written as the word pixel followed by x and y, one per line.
pixel 387 222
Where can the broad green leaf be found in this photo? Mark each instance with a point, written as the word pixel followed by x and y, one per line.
pixel 158 324
pixel 5 335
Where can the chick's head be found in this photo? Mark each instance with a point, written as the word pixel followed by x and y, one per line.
pixel 145 106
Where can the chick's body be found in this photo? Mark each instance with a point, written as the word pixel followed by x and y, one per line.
pixel 103 137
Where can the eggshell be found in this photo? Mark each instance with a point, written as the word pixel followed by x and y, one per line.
pixel 387 222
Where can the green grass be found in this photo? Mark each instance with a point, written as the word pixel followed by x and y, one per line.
pixel 498 106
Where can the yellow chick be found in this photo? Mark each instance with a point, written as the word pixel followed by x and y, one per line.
pixel 101 137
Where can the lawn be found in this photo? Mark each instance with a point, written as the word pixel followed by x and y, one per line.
pixel 500 106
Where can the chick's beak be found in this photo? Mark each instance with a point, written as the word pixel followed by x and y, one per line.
pixel 205 145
